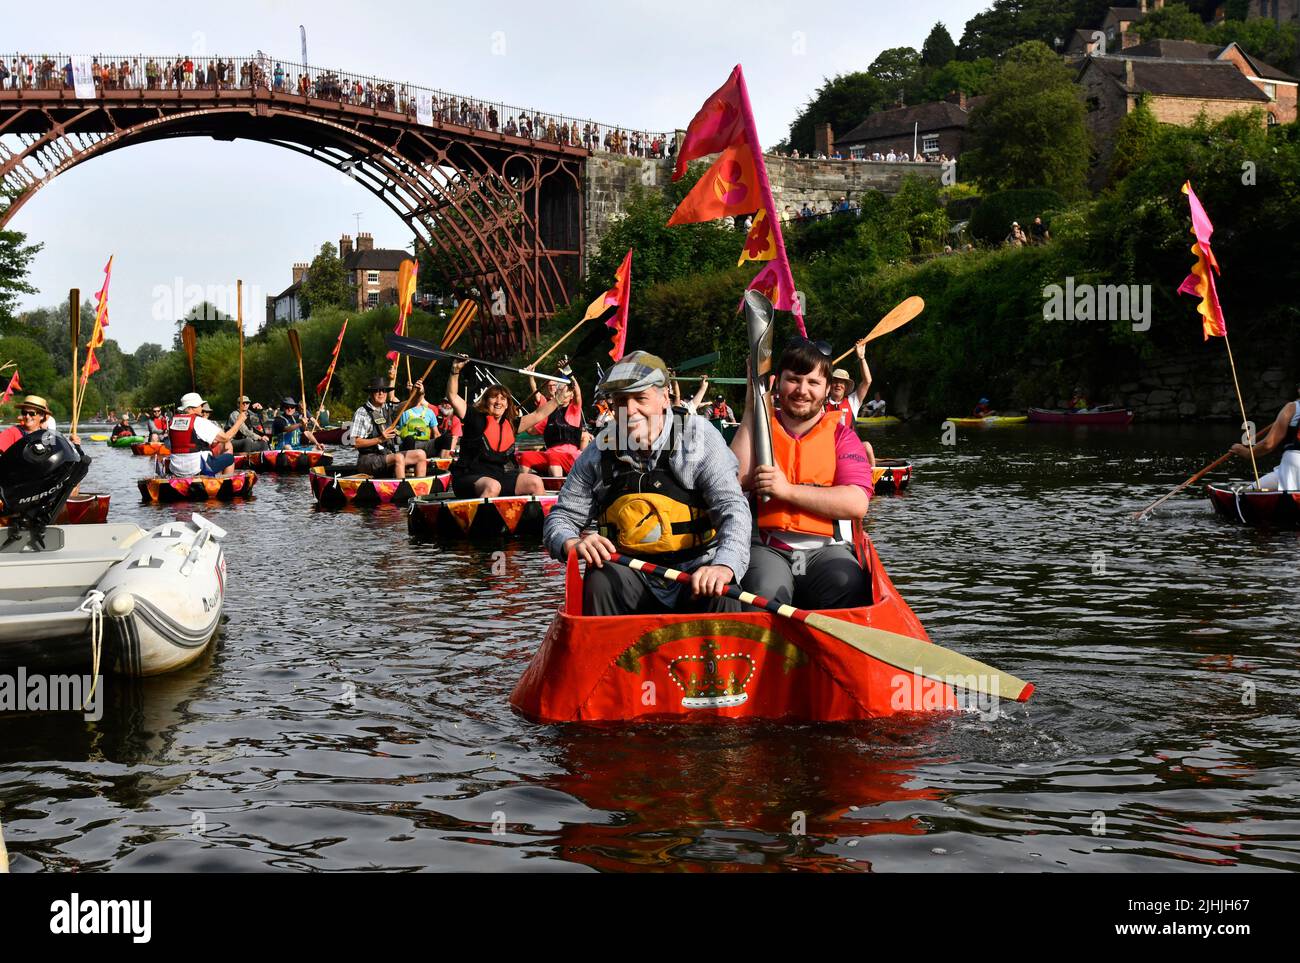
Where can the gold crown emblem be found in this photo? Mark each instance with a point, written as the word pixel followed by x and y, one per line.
pixel 710 680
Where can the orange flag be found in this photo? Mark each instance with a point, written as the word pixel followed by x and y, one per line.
pixel 728 188
pixel 619 295
pixel 1200 283
pixel 718 124
pixel 101 322
pixel 405 293
pixel 14 385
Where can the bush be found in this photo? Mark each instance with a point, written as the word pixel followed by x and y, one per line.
pixel 991 222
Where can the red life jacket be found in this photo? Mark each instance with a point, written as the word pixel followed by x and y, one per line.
pixel 159 424
pixel 180 435
pixel 844 408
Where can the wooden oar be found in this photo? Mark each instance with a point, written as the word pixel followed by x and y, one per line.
pixel 74 326
pixel 423 349
pixel 296 346
pixel 901 651
pixel 1138 516
pixel 464 315
pixel 239 311
pixel 899 316
pixel 190 339
pixel 564 337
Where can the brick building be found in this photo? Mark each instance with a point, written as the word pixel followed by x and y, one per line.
pixel 371 271
pixel 930 129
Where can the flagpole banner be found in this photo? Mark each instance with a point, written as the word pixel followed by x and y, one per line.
pixel 83 81
pixel 1200 282
pixel 424 108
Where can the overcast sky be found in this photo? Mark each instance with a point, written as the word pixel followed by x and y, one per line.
pixel 200 212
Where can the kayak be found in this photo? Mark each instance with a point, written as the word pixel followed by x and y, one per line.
pixel 126 441
pixel 877 421
pixel 1267 509
pixel 1086 416
pixel 705 668
pixel 197 487
pixel 341 485
pixel 150 448
pixel 90 508
pixel 446 516
pixel 99 437
pixel 992 421
pixel 286 459
pixel 890 475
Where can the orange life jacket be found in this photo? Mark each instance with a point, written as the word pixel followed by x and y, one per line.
pixel 807 460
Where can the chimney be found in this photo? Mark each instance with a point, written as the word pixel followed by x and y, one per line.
pixel 299 272
pixel 958 97
pixel 823 140
pixel 365 242
pixel 345 246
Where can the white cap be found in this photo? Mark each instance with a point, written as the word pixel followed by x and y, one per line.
pixel 191 399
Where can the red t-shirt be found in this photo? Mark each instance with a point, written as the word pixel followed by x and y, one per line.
pixel 10 435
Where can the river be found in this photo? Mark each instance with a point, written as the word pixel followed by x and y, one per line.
pixel 353 712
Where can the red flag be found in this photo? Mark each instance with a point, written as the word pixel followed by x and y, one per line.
pixel 726 123
pixel 334 359
pixel 1200 282
pixel 618 295
pixel 405 292
pixel 716 126
pixel 14 385
pixel 101 322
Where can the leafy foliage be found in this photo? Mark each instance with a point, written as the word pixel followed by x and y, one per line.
pixel 326 284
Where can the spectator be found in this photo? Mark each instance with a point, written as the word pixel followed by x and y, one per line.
pixel 1017 236
pixel 1039 232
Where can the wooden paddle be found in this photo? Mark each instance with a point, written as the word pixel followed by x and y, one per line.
pixel 189 337
pixel 894 320
pixel 563 338
pixel 901 651
pixel 466 311
pixel 74 327
pixel 296 346
pixel 239 311
pixel 1138 516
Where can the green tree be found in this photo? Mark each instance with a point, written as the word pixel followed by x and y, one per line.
pixel 971 77
pixel 1135 138
pixel 207 321
pixel 35 370
pixel 15 260
pixel 1174 22
pixel 938 48
pixel 1273 43
pixel 1009 23
pixel 842 101
pixel 326 284
pixel 899 71
pixel 1029 131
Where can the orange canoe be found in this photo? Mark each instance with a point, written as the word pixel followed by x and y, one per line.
pixel 704 668
pixel 198 487
pixel 341 485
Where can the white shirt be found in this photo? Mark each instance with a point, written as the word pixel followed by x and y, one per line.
pixel 191 463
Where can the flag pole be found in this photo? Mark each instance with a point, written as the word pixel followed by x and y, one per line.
pixel 74 328
pixel 1244 420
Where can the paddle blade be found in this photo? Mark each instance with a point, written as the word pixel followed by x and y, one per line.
pixel 294 344
pixel 190 338
pixel 923 658
pixel 705 359
pixel 898 317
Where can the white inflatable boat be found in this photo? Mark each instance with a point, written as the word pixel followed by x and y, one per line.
pixel 113 596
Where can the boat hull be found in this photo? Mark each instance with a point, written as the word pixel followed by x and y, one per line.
pixel 197 488
pixel 889 476
pixel 286 460
pixel 877 421
pixel 711 668
pixel 341 486
pixel 82 509
pixel 442 517
pixel 150 448
pixel 126 441
pixel 1268 509
pixel 331 435
pixel 992 421
pixel 1045 416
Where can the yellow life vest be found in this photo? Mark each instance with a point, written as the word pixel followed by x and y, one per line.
pixel 650 513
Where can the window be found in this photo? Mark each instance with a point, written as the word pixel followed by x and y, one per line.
pixel 857 153
pixel 1272 118
pixel 930 143
pixel 372 277
pixel 372 299
pixel 1271 91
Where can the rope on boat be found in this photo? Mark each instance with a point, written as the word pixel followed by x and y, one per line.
pixel 1236 501
pixel 4 854
pixel 94 604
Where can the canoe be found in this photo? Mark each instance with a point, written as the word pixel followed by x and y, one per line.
pixel 99 437
pixel 877 421
pixel 330 434
pixel 341 485
pixel 150 448
pixel 197 488
pixel 706 668
pixel 90 508
pixel 446 516
pixel 1090 416
pixel 286 460
pixel 992 421
pixel 1267 509
pixel 126 441
pixel 891 475
pixel 162 594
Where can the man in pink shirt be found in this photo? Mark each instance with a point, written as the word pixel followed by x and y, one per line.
pixel 808 502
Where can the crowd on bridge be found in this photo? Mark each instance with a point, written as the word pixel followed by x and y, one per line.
pixel 889 157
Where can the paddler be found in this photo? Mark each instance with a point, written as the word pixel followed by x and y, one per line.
pixel 156 424
pixel 123 428
pixel 33 415
pixel 198 444
pixel 449 429
pixel 486 465
pixel 983 409
pixel 418 426
pixel 564 432
pixel 374 436
pixel 661 486
pixel 1283 433
pixel 820 483
pixel 246 437
pixel 843 396
pixel 290 431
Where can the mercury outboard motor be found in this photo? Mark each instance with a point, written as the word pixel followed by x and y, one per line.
pixel 37 474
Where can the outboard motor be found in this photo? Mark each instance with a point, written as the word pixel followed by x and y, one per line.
pixel 37 474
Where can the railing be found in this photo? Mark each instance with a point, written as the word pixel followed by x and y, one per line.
pixel 421 104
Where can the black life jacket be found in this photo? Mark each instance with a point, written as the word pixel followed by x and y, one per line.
pixel 378 422
pixel 558 431
pixel 492 448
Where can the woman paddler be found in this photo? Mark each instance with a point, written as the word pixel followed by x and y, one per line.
pixel 1283 433
pixel 485 466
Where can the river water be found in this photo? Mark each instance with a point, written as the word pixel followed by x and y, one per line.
pixel 353 712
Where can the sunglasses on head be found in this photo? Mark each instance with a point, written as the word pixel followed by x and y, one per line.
pixel 822 346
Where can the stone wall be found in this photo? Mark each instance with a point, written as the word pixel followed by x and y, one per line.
pixel 609 179
pixel 1199 386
